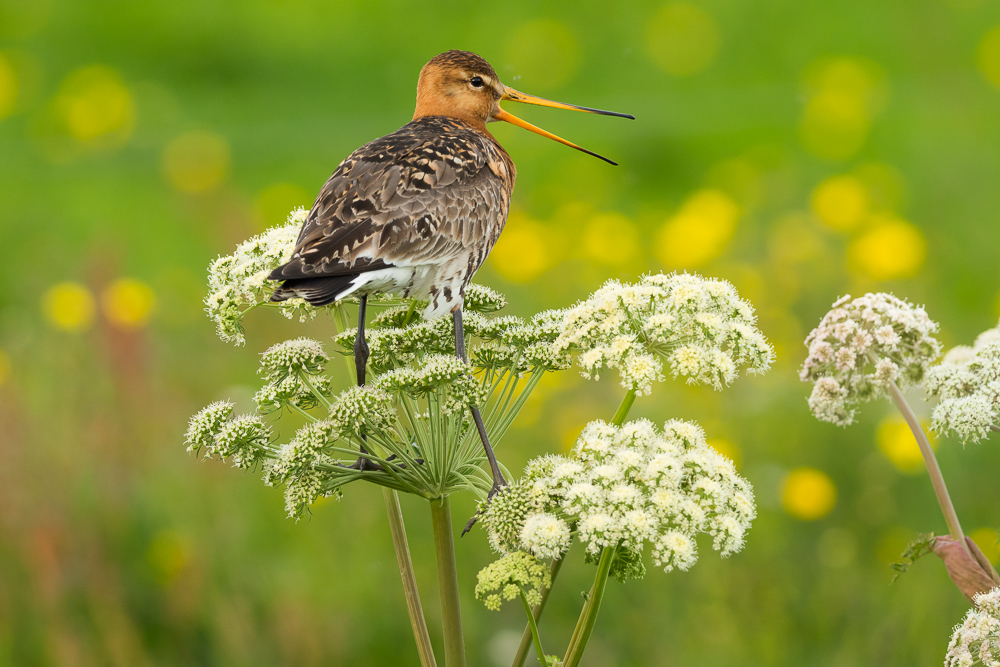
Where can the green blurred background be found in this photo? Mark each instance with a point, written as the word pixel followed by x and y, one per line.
pixel 800 150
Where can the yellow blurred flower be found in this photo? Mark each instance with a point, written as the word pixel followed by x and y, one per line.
pixel 168 554
pixel 69 306
pixel 727 448
pixel 611 238
pixel 4 368
pixel 196 161
pixel 699 231
pixel 808 494
pixel 841 202
pixel 892 248
pixel 681 39
pixel 522 253
pixel 986 540
pixel 96 106
pixel 896 442
pixel 275 201
pixel 8 87
pixel 128 303
pixel 843 94
pixel 988 56
pixel 543 53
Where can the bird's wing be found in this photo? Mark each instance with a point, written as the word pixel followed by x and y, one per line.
pixel 413 197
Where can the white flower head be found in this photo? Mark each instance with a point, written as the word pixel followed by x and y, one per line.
pixel 698 326
pixel 862 346
pixel 545 535
pixel 977 638
pixel 968 383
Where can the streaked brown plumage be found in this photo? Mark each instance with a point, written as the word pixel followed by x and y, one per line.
pixel 416 212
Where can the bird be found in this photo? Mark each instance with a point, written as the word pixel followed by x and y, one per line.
pixel 415 213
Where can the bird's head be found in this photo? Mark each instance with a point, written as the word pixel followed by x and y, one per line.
pixel 460 84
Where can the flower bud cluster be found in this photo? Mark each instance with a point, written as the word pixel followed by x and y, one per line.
pixel 699 326
pixel 244 439
pixel 860 348
pixel 238 281
pixel 293 371
pixel 303 467
pixel 444 375
pixel 977 639
pixel 506 578
pixel 968 383
pixel 626 487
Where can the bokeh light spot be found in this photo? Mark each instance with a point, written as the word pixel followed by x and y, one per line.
pixel 896 442
pixel 988 56
pixel 843 94
pixel 96 106
pixel 891 249
pixel 8 87
pixel 699 231
pixel 544 54
pixel 611 238
pixel 128 303
pixel 682 39
pixel 841 202
pixel 275 201
pixel 521 254
pixel 987 541
pixel 168 555
pixel 727 448
pixel 808 494
pixel 196 161
pixel 69 306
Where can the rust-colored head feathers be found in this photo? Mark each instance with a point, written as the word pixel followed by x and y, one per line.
pixel 461 84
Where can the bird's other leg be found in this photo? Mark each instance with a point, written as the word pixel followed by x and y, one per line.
pixel 361 353
pixel 498 481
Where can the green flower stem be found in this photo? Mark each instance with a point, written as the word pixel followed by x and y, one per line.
pixel 522 652
pixel 451 617
pixel 588 617
pixel 304 377
pixel 933 469
pixel 399 542
pixel 623 409
pixel 534 629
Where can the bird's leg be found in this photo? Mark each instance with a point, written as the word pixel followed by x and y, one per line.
pixel 498 481
pixel 361 352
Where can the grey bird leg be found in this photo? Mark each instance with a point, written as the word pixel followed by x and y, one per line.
pixel 498 481
pixel 361 352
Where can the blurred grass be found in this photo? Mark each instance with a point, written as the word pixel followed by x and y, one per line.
pixel 801 151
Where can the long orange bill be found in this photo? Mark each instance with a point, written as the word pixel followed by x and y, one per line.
pixel 511 94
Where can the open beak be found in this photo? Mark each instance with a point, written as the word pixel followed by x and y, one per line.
pixel 511 94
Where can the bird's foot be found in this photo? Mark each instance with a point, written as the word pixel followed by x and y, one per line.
pixel 364 465
pixel 497 487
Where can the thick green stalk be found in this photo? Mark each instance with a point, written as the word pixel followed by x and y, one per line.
pixel 933 469
pixel 588 617
pixel 399 542
pixel 532 628
pixel 451 616
pixel 522 650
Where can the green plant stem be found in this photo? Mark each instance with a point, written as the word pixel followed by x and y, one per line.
pixel 534 629
pixel 399 542
pixel 933 469
pixel 531 630
pixel 451 616
pixel 522 650
pixel 588 617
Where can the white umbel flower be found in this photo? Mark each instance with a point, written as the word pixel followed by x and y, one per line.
pixel 968 383
pixel 977 639
pixel 861 347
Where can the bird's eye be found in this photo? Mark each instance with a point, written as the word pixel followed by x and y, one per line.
pixel 476 81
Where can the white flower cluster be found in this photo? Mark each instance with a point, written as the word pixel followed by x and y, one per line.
pixel 700 326
pixel 244 439
pixel 506 578
pixel 862 346
pixel 968 384
pixel 977 639
pixel 626 487
pixel 304 467
pixel 239 281
pixel 293 371
pixel 445 375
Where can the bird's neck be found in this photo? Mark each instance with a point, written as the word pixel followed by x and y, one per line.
pixel 432 109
